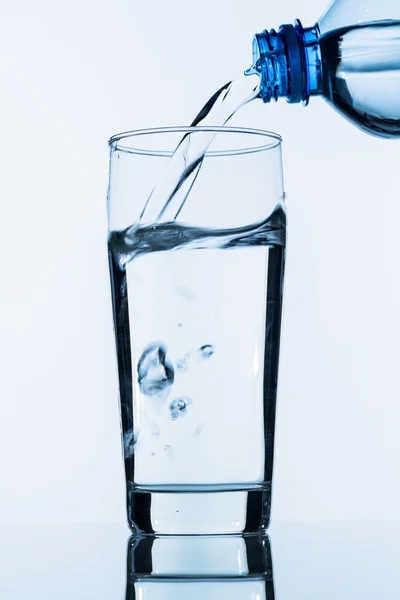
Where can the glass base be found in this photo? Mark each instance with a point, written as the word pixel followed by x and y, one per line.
pixel 199 512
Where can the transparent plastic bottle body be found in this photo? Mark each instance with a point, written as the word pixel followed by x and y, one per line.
pixel 351 57
pixel 361 75
pixel 346 13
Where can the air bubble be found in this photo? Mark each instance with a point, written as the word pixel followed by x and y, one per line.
pixel 198 430
pixel 181 365
pixel 206 351
pixel 169 452
pixel 178 408
pixel 130 440
pixel 155 374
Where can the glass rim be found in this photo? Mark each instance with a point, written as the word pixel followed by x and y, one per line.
pixel 275 140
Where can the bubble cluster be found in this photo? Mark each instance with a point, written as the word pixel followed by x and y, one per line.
pixel 156 377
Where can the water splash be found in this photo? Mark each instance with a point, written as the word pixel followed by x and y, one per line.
pixel 137 239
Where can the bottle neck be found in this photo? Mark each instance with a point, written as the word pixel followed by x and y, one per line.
pixel 288 63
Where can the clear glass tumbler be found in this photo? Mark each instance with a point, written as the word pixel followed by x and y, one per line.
pixel 197 315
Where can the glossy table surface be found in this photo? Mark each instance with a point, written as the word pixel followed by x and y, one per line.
pixel 324 561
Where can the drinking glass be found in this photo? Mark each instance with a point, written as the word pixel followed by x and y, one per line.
pixel 197 305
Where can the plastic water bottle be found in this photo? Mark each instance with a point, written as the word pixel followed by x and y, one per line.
pixel 351 57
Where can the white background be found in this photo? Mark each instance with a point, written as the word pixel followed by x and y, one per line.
pixel 72 73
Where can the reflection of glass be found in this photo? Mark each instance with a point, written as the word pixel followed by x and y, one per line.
pixel 197 314
pixel 199 568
